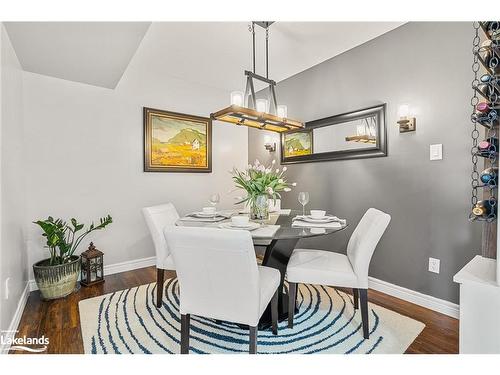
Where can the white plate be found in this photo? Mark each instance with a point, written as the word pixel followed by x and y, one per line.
pixel 203 214
pixel 326 219
pixel 250 226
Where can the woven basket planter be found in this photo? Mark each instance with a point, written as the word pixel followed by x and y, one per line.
pixel 57 281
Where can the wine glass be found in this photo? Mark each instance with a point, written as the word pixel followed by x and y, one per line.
pixel 214 199
pixel 303 200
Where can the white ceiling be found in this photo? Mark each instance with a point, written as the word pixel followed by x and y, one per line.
pixel 96 53
pixel 209 53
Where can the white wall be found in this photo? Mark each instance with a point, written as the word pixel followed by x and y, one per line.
pixel 13 265
pixel 84 151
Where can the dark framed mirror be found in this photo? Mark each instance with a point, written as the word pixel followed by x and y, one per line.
pixel 352 135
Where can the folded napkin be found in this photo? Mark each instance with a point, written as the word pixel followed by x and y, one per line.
pixel 305 224
pixel 204 219
pixel 266 231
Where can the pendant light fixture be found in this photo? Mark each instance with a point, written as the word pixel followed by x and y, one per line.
pixel 365 132
pixel 247 110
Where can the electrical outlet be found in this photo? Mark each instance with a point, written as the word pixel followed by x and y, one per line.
pixel 434 265
pixel 7 288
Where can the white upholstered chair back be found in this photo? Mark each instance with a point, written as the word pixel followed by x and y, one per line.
pixel 363 242
pixel 157 218
pixel 217 272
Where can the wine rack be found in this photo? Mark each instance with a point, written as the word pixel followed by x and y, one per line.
pixel 485 118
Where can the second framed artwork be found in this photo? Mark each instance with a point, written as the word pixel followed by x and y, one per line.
pixel 176 142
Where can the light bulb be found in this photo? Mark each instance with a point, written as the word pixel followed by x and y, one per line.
pixel 282 111
pixel 262 105
pixel 360 129
pixel 237 98
pixel 404 110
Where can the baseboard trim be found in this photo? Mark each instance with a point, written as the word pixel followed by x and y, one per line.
pixel 129 265
pixel 424 300
pixel 115 268
pixel 14 324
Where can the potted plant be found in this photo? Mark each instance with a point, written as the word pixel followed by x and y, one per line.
pixel 57 276
pixel 261 184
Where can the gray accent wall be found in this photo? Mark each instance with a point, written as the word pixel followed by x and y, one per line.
pixel 428 66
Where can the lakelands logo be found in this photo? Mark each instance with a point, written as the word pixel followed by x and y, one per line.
pixel 27 344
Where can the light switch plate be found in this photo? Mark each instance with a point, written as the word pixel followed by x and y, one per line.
pixel 434 265
pixel 436 152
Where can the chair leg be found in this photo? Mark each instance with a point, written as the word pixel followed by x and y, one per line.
pixel 355 296
pixel 274 312
pixel 185 318
pixel 292 296
pixel 160 278
pixel 363 294
pixel 253 340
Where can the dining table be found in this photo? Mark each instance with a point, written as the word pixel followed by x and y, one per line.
pixel 279 236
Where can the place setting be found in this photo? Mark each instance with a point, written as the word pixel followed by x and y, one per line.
pixel 241 222
pixel 315 218
pixel 209 214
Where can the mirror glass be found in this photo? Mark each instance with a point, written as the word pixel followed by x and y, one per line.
pixel 351 135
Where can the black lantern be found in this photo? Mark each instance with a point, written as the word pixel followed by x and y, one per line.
pixel 92 266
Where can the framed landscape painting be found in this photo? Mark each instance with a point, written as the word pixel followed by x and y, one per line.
pixel 297 143
pixel 176 142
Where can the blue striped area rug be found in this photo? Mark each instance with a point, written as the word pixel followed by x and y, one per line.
pixel 129 322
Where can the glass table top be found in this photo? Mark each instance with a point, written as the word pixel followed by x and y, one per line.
pixel 285 230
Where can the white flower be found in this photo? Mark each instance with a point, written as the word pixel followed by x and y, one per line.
pixel 269 190
pixel 247 178
pixel 268 170
pixel 280 181
pixel 256 162
pixel 294 184
pixel 273 162
pixel 287 189
pixel 278 170
pixel 250 166
pixel 284 169
pixel 262 168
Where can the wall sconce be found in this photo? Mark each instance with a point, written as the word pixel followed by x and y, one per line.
pixel 269 144
pixel 406 123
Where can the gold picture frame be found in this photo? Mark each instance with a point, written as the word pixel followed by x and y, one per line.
pixel 176 142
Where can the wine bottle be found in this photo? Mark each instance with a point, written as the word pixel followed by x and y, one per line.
pixel 486 78
pixel 484 209
pixel 488 146
pixel 489 50
pixel 488 89
pixel 488 120
pixel 491 26
pixel 489 176
pixel 485 107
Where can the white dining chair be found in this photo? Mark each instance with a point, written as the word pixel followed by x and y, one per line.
pixel 219 279
pixel 157 218
pixel 321 267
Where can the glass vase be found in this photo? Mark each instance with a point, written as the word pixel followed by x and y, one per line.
pixel 259 208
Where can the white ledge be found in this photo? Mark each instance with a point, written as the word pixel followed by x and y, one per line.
pixel 479 270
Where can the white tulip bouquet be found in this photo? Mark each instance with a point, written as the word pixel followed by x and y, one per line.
pixel 258 180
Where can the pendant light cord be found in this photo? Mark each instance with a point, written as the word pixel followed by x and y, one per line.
pixel 253 45
pixel 267 52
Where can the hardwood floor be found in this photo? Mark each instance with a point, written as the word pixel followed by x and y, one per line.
pixel 59 320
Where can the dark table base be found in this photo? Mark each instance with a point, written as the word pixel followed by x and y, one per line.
pixel 277 255
pixel 265 320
